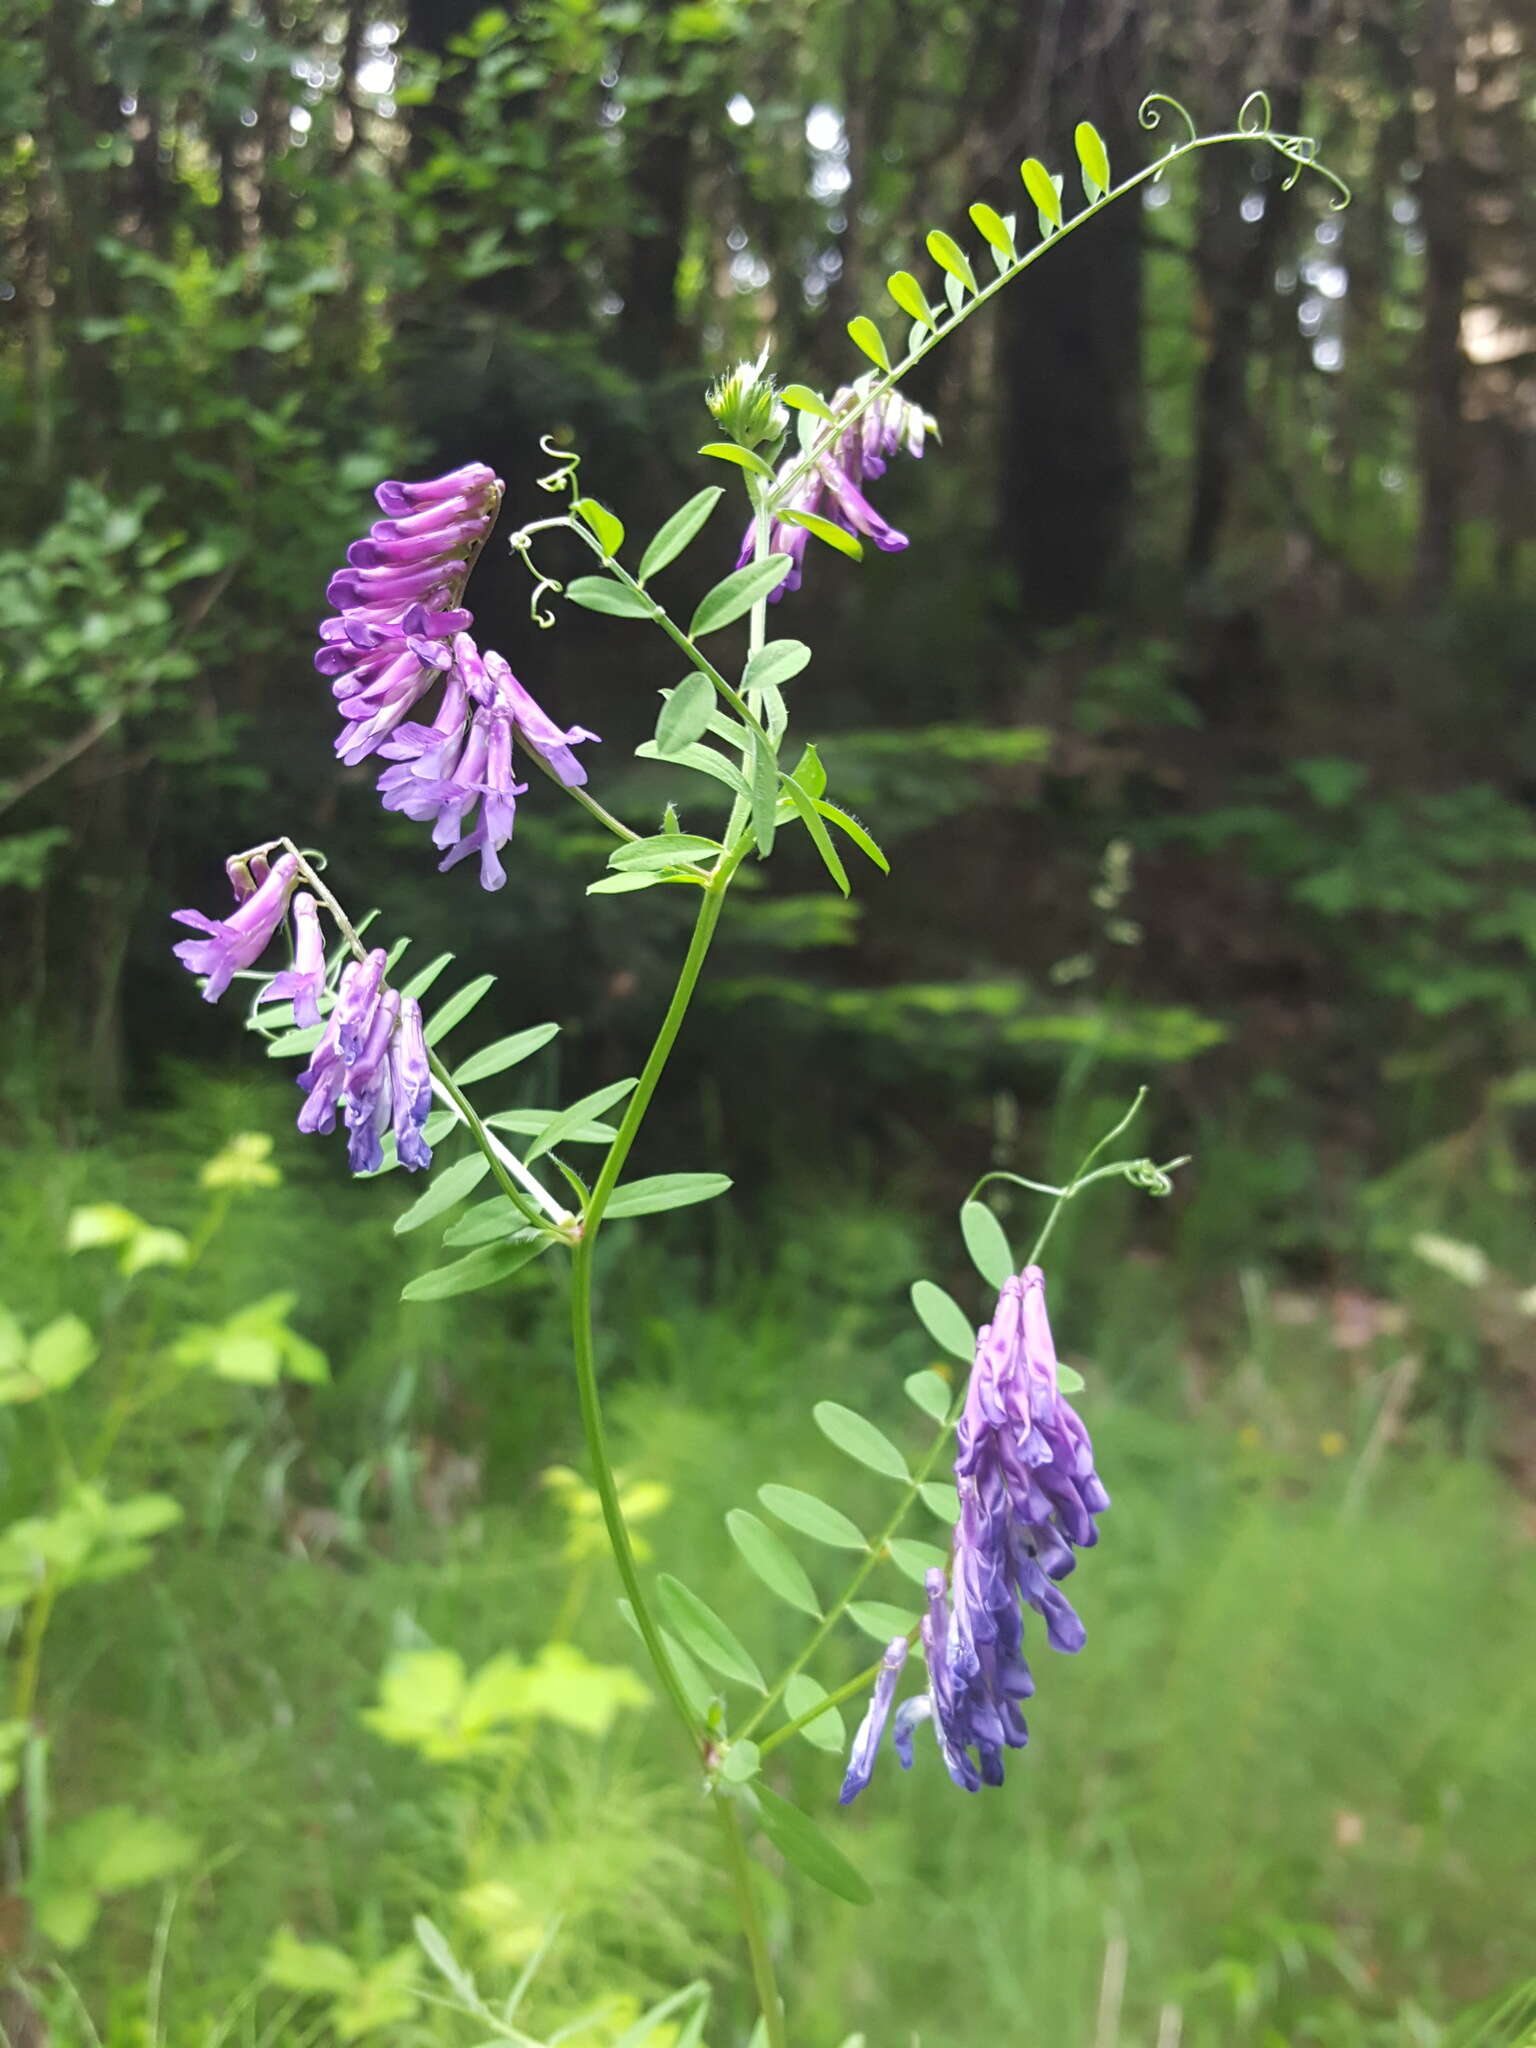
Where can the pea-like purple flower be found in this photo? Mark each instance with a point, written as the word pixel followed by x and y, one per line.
pixel 1029 1500
pixel 303 982
pixel 866 1743
pixel 238 941
pixel 833 486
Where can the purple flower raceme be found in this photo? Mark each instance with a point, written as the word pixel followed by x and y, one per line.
pixel 239 940
pixel 371 1064
pixel 371 1061
pixel 399 631
pixel 1029 1499
pixel 397 601
pixel 833 486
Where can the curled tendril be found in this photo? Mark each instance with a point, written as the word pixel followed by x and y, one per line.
pixel 1149 113
pixel 1152 1180
pixel 1255 116
pixel 563 478
pixel 1255 120
pixel 541 617
pixel 522 544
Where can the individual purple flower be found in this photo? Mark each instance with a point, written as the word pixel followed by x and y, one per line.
pixel 534 726
pixel 832 487
pixel 239 940
pixel 866 1743
pixel 367 1100
pixel 326 1075
pixel 303 982
pixel 410 1080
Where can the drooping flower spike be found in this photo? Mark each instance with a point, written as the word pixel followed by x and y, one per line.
pixel 833 486
pixel 371 1061
pixel 400 630
pixel 1029 1499
pixel 464 759
pixel 397 601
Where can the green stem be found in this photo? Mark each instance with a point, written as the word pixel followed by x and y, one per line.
pixel 674 632
pixel 1081 1176
pixel 769 2003
pixel 583 1337
pixel 554 1217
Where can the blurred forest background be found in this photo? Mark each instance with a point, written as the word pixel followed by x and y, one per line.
pixel 1200 725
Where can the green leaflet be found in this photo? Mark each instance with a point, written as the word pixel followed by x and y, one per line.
pixel 506 1052
pixel 987 1244
pixel 476 1269
pixel 659 1191
pixel 826 1731
pixel 448 1188
pixel 674 534
pixel 458 1007
pixel 945 1320
pixel 604 594
pixel 859 1439
pixel 702 1632
pixel 812 1517
pixel 770 1557
pixel 799 1841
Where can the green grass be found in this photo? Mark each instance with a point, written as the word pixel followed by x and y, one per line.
pixel 1282 1797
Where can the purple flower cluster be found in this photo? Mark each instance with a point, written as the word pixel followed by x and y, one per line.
pixel 397 601
pixel 399 631
pixel 371 1062
pixel 833 485
pixel 1029 1499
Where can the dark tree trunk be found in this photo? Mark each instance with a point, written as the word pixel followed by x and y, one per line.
pixel 1070 340
pixel 650 335
pixel 1235 258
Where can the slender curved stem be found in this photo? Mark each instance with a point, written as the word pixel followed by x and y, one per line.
pixel 585 1348
pixel 769 2003
pixel 497 1155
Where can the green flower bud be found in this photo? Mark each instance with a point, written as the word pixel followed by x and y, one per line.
pixel 745 402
